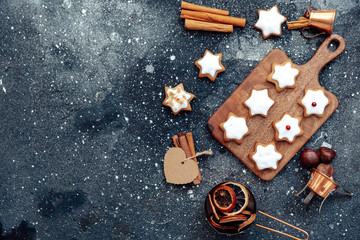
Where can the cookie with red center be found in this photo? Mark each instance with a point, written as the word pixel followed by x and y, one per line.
pixel 314 102
pixel 288 128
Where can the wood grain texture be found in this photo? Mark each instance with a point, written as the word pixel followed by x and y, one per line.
pixel 285 101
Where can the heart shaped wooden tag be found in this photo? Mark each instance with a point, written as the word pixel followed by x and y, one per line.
pixel 178 171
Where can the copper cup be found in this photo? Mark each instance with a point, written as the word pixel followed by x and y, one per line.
pixel 323 20
pixel 321 184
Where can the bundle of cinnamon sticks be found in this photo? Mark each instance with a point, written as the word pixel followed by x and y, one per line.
pixel 208 19
pixel 185 141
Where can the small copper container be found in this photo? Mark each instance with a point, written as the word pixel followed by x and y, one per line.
pixel 322 20
pixel 321 184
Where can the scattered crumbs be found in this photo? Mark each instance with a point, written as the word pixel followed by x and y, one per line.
pixel 244 171
pixel 172 57
pixel 126 119
pixel 83 11
pixel 296 169
pixel 149 68
pixel 191 193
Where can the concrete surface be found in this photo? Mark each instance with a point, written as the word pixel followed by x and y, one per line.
pixel 83 130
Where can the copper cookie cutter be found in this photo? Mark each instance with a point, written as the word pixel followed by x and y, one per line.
pixel 321 20
pixel 237 216
pixel 322 185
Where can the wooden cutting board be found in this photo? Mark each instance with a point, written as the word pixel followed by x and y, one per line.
pixel 286 101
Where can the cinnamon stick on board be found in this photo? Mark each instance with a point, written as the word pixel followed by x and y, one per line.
pixel 207 26
pixel 210 17
pixel 190 6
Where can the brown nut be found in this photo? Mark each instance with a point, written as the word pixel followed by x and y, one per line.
pixel 309 158
pixel 326 154
pixel 326 169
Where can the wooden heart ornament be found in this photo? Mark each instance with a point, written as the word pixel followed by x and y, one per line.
pixel 178 171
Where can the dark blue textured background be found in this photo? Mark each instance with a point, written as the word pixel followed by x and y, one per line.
pixel 83 130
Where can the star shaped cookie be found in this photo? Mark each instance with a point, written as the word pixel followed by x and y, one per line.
pixel 234 128
pixel 259 102
pixel 270 22
pixel 314 102
pixel 287 128
pixel 283 75
pixel 210 65
pixel 265 156
pixel 177 99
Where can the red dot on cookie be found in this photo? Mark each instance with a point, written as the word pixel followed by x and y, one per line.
pixel 314 104
pixel 288 127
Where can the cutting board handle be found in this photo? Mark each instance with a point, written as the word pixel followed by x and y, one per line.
pixel 323 55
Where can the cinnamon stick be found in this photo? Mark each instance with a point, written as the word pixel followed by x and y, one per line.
pixel 207 26
pixel 190 140
pixel 300 23
pixel 176 141
pixel 184 144
pixel 210 17
pixel 190 6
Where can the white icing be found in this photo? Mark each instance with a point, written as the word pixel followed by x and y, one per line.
pixel 319 98
pixel 235 127
pixel 270 21
pixel 177 99
pixel 294 127
pixel 266 157
pixel 285 75
pixel 210 64
pixel 259 102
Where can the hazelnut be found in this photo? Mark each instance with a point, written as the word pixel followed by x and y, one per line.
pixel 326 154
pixel 309 158
pixel 326 169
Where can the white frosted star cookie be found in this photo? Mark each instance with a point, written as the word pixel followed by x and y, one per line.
pixel 259 102
pixel 210 65
pixel 177 99
pixel 265 156
pixel 314 102
pixel 288 128
pixel 234 128
pixel 283 75
pixel 270 22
